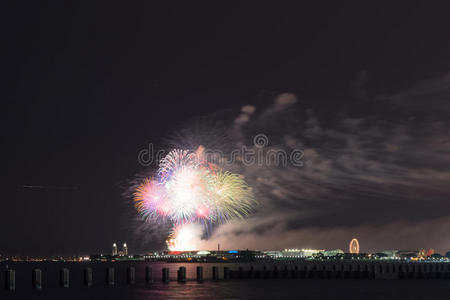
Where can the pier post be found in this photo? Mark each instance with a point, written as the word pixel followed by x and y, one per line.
pixel 251 272
pixel 148 276
pixel 365 271
pixel 64 278
pixel 322 271
pixel 37 279
pixel 266 273
pixel 446 269
pixel 304 270
pixel 347 271
pixel 240 273
pixel 421 268
pixel 439 270
pixel 131 275
pixel 199 274
pixel 371 270
pixel 338 272
pixel 309 271
pixel 258 273
pixel 226 273
pixel 356 271
pixel 429 270
pixel 181 275
pixel 318 271
pixel 294 272
pixel 110 277
pixel 215 273
pixel 396 271
pixel 285 273
pixel 88 277
pixel 328 270
pixel 165 275
pixel 275 272
pixel 418 270
pixel 409 271
pixel 10 280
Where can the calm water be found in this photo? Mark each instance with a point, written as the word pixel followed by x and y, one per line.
pixel 234 289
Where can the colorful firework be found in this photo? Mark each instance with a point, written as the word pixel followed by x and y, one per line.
pixel 232 197
pixel 188 189
pixel 184 237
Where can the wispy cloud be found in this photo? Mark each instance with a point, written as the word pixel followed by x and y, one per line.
pixel 378 170
pixel 374 173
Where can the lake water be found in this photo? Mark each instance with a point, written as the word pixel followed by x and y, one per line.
pixel 232 289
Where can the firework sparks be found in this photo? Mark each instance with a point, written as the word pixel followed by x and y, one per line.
pixel 184 237
pixel 190 190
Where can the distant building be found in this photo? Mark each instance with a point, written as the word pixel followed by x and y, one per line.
pixel 295 253
pixel 422 253
pixel 335 252
pixel 436 256
pixel 407 253
pixel 354 246
pixel 390 254
pixel 273 254
pixel 125 249
pixel 114 249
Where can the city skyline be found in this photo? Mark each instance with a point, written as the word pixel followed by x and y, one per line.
pixel 353 248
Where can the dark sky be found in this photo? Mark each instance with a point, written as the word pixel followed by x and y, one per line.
pixel 85 86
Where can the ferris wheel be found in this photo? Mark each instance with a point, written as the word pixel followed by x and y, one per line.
pixel 354 246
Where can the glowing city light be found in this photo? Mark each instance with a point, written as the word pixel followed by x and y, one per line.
pixel 354 246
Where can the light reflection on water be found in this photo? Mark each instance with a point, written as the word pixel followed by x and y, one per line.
pixel 301 289
pixel 252 289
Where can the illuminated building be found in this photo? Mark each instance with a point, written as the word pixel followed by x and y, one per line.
pixel 407 254
pixel 390 254
pixel 273 254
pixel 114 249
pixel 299 252
pixel 125 249
pixel 203 253
pixel 332 252
pixel 447 254
pixel 422 253
pixel 354 246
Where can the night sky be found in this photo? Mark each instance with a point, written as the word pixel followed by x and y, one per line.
pixel 86 86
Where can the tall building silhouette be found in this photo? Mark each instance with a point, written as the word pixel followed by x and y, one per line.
pixel 125 249
pixel 114 249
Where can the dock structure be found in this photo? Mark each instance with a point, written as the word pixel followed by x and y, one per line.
pixel 36 279
pixel 64 277
pixel 305 270
pixel 110 280
pixel 165 275
pixel 199 273
pixel 148 276
pixel 131 275
pixel 181 275
pixel 87 280
pixel 10 280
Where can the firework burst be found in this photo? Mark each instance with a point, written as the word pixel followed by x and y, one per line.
pixel 232 198
pixel 188 190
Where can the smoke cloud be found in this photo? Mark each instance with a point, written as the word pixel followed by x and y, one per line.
pixel 376 169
